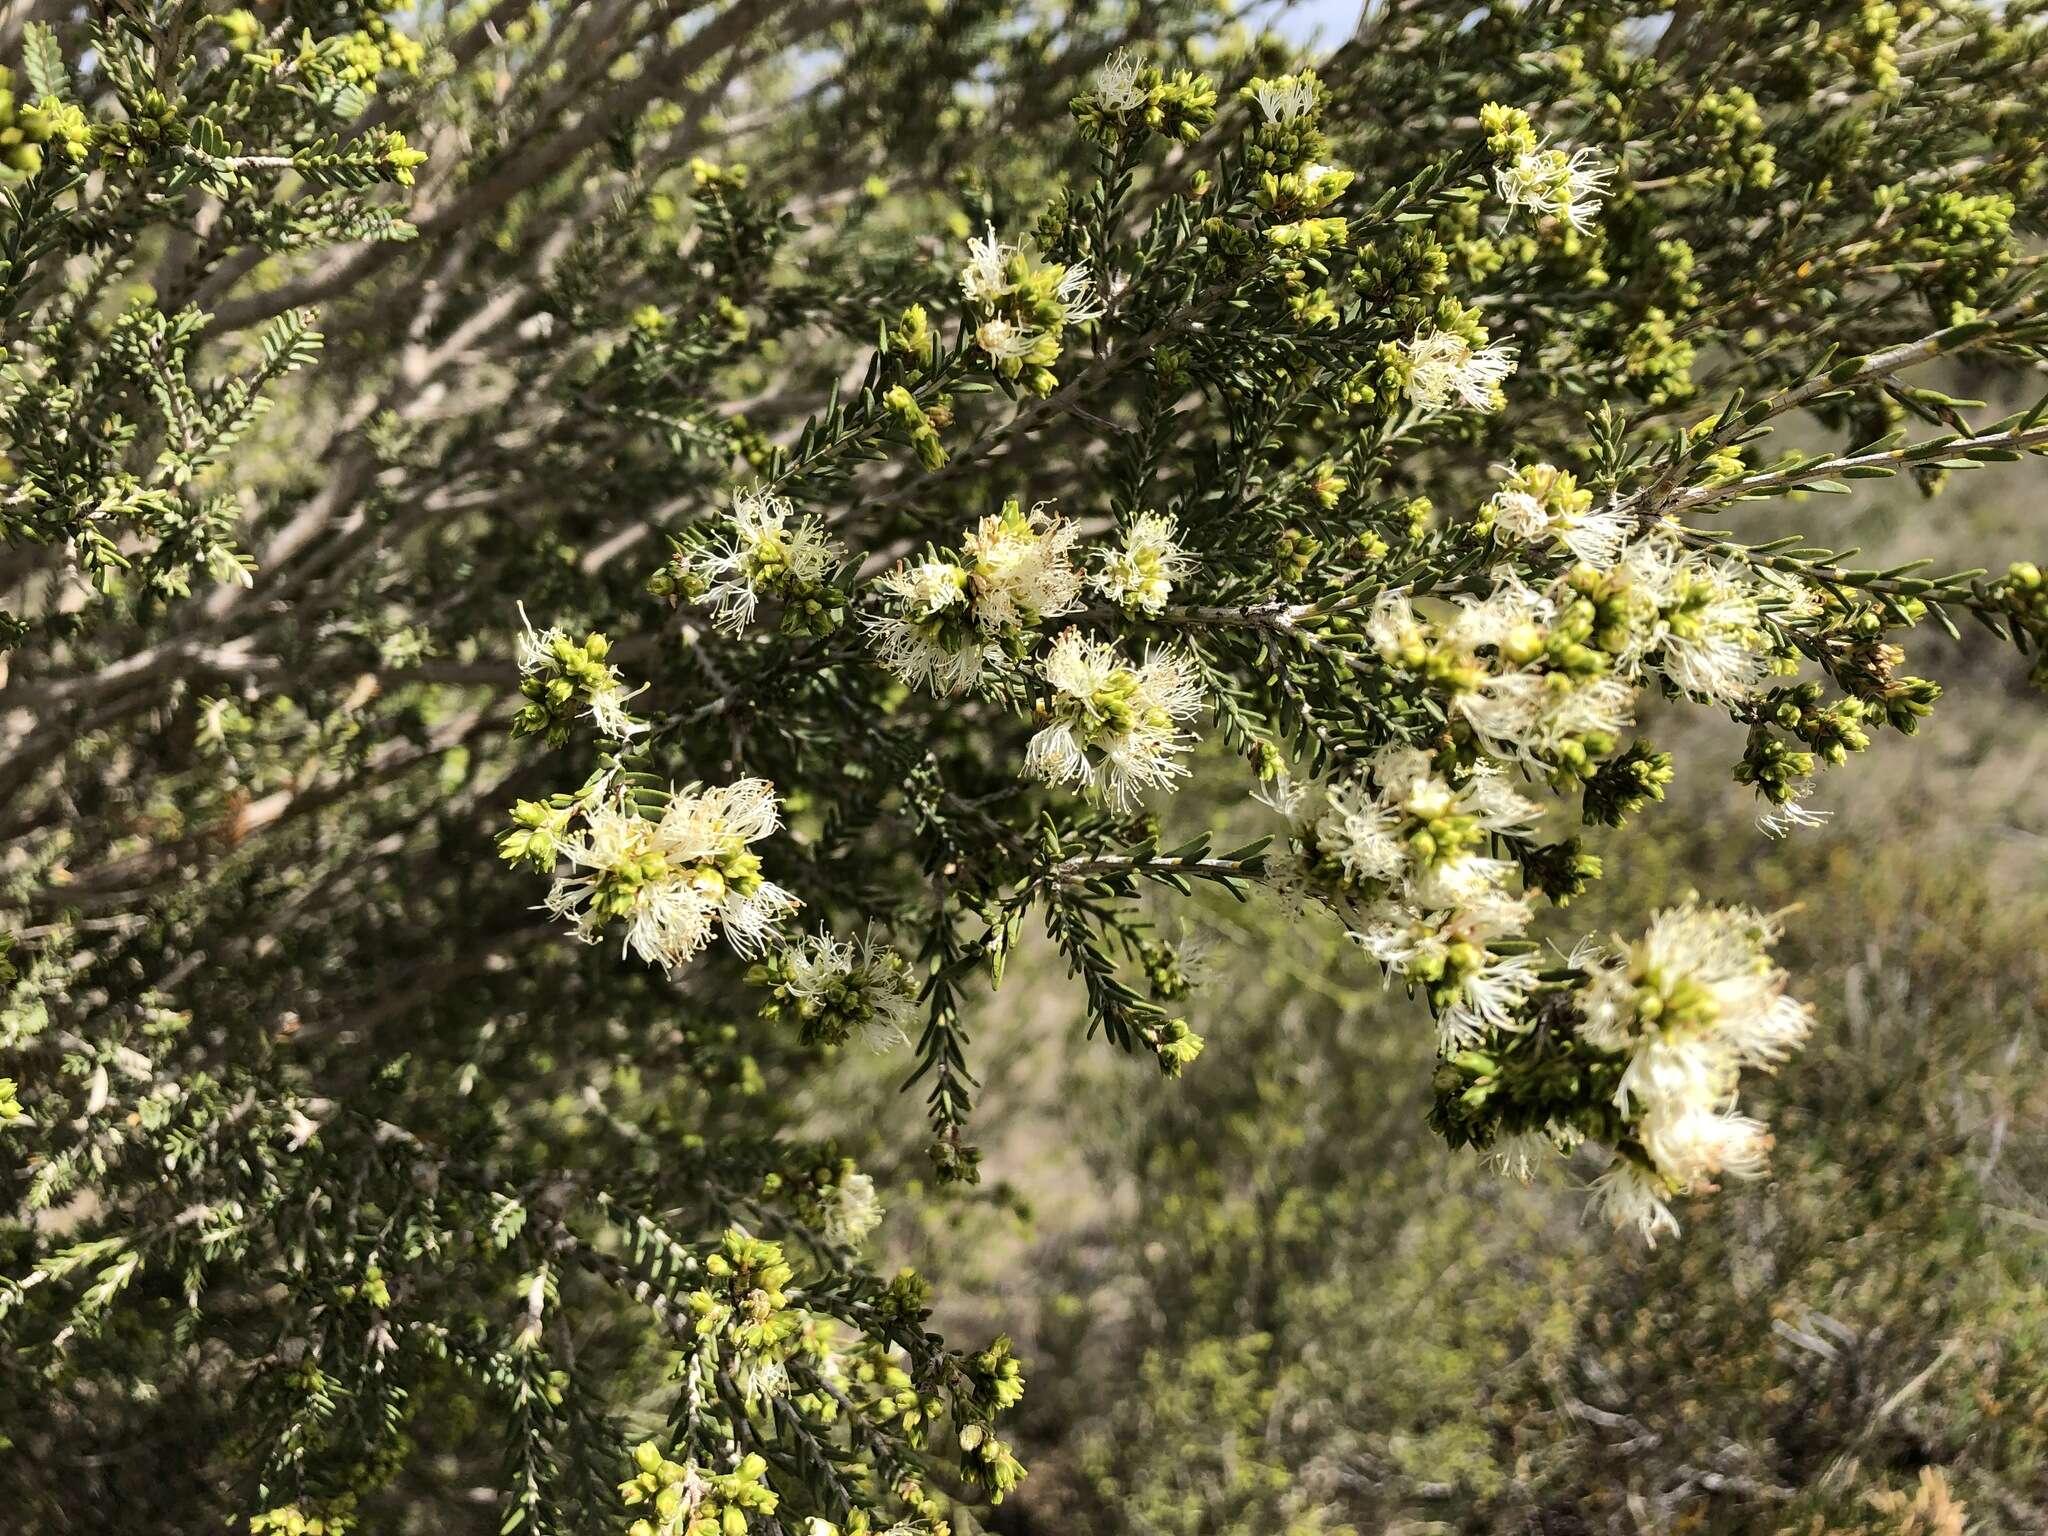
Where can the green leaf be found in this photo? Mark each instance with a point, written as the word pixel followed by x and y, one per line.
pixel 42 60
pixel 206 138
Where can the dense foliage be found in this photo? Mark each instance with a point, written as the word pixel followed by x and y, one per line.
pixel 776 492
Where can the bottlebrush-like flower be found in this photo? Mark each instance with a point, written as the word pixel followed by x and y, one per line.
pixel 1023 306
pixel 1287 98
pixel 1140 574
pixel 1552 182
pixel 556 673
pixel 835 989
pixel 1444 368
pixel 1022 567
pixel 1112 727
pixel 1707 637
pixel 769 550
pixel 1691 1003
pixel 671 882
pixel 1541 504
pixel 1116 83
pixel 948 616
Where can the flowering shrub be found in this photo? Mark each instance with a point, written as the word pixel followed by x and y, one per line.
pixel 1372 432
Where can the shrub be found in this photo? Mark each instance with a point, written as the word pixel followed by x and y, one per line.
pixel 799 479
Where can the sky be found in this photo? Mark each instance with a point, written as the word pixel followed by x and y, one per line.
pixel 1329 20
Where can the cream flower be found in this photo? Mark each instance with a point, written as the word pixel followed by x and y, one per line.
pixel 1286 99
pixel 1692 1003
pixel 1629 1195
pixel 1022 567
pixel 927 636
pixel 549 655
pixel 671 883
pixel 1551 182
pixel 985 277
pixel 768 548
pixel 1116 83
pixel 1525 714
pixel 848 1211
pixel 1361 833
pixel 841 987
pixel 1444 368
pixel 1707 638
pixel 1489 998
pixel 1113 728
pixel 1024 304
pixel 1141 573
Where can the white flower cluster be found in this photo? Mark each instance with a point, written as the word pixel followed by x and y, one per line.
pixel 1444 368
pixel 1778 820
pixel 1558 185
pixel 841 987
pixel 672 881
pixel 1542 504
pixel 948 616
pixel 1289 98
pixel 1024 304
pixel 1539 673
pixel 847 1211
pixel 1022 567
pixel 769 549
pixel 1115 728
pixel 1402 853
pixel 551 664
pixel 1693 1002
pixel 926 638
pixel 1520 1155
pixel 1523 709
pixel 1708 636
pixel 1116 83
pixel 1140 573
